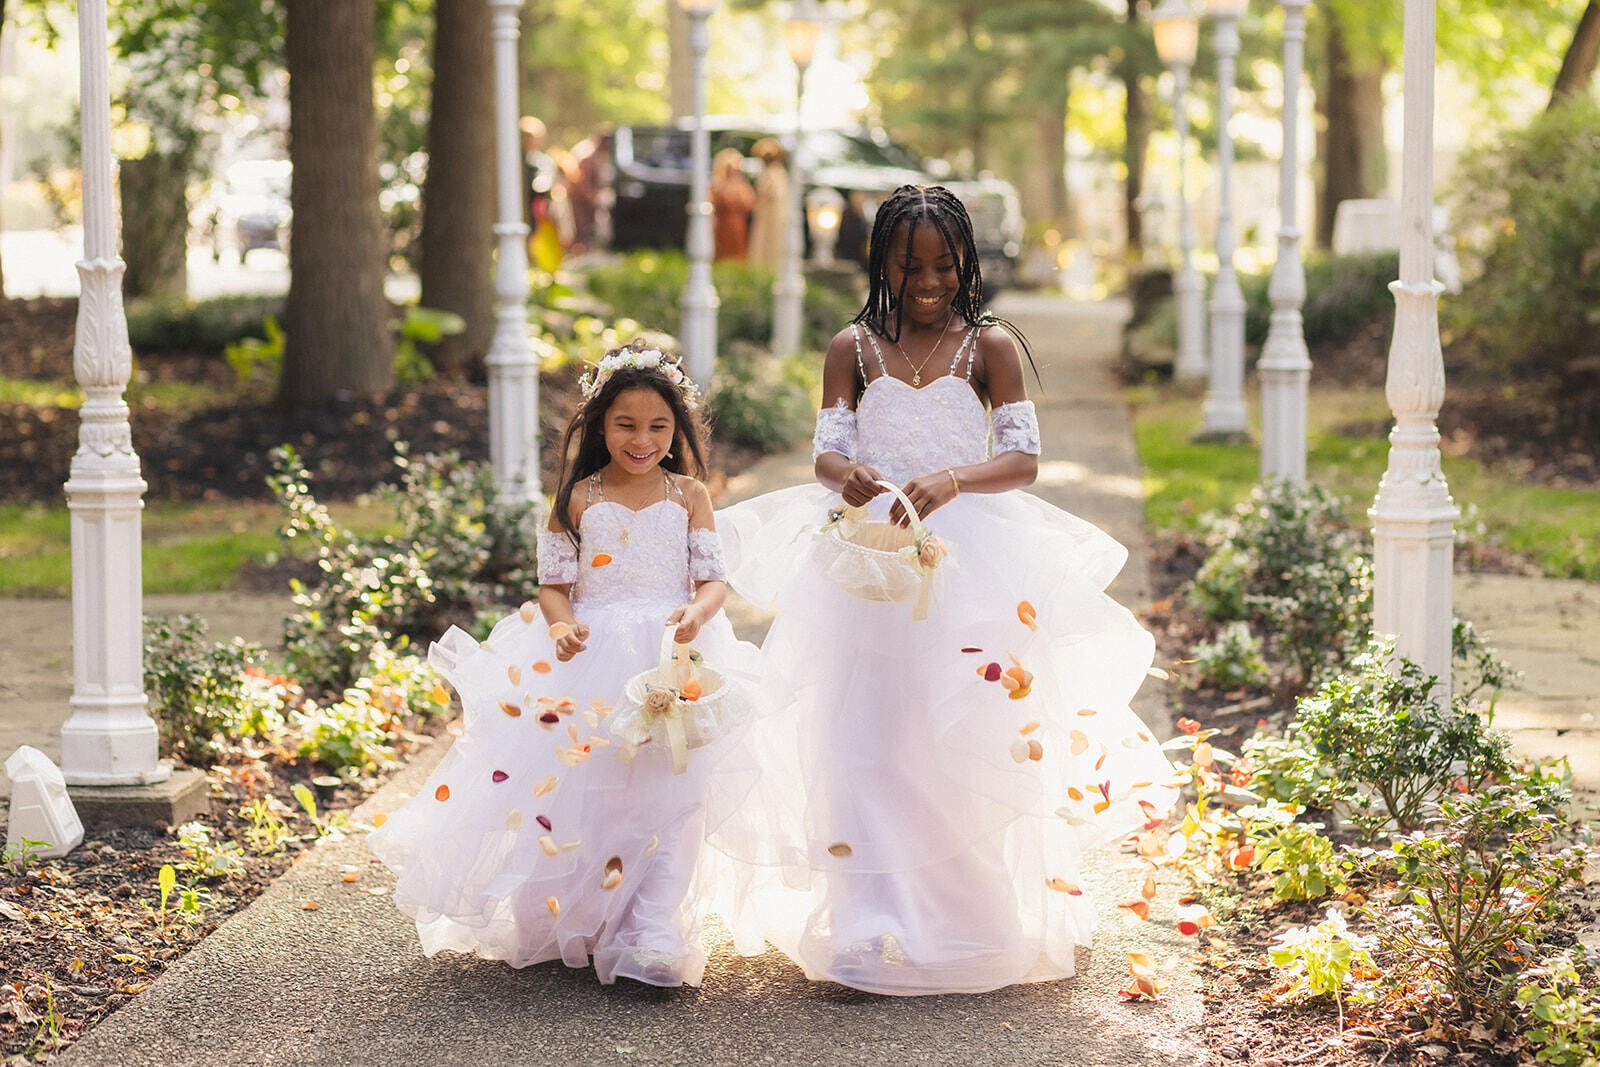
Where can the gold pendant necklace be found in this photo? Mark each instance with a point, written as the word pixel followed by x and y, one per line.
pixel 916 368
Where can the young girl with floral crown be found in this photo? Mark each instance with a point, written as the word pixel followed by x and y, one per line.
pixel 531 841
pixel 959 757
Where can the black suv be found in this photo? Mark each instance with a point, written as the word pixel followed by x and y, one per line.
pixel 652 173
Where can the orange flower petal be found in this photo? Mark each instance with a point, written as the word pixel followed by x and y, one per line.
pixel 1079 742
pixel 527 611
pixel 1029 616
pixel 1061 885
pixel 1141 908
pixel 554 905
pixel 542 667
pixel 511 709
pixel 1149 890
pixel 841 849
pixel 1029 728
pixel 600 559
pixel 1074 792
pixel 442 793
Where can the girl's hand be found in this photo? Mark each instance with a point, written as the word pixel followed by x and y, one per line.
pixel 928 493
pixel 689 617
pixel 571 643
pixel 860 485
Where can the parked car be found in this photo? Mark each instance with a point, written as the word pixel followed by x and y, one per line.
pixel 651 166
pixel 996 226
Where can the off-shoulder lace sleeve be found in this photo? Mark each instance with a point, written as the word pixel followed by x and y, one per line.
pixel 705 557
pixel 558 558
pixel 1016 428
pixel 836 432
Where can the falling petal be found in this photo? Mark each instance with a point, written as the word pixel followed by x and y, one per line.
pixel 1101 762
pixel 571 846
pixel 498 776
pixel 544 821
pixel 1009 683
pixel 1140 964
pixel 1140 908
pixel 527 611
pixel 1035 749
pixel 841 849
pixel 600 559
pixel 546 786
pixel 1074 792
pixel 1149 890
pixel 655 843
pixel 613 874
pixel 1019 692
pixel 1203 755
pixel 1061 885
pixel 1084 713
pixel 1188 927
pixel 350 876
pixel 1105 789
pixel 548 844
pixel 548 719
pixel 1029 728
pixel 1142 785
pixel 1029 617
pixel 991 673
pixel 554 905
pixel 379 819
pixel 542 667
pixel 511 709
pixel 440 696
pixel 442 793
pixel 310 905
pixel 1079 742
pixel 969 648
pixel 514 820
pixel 514 674
pixel 572 732
pixel 1102 806
pixel 1019 751
pixel 1157 672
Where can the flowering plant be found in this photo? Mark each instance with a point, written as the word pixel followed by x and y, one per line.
pixel 642 359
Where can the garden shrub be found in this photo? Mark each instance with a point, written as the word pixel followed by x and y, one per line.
pixel 1233 659
pixel 461 551
pixel 761 402
pixel 1562 996
pixel 1527 208
pixel 648 287
pixel 204 696
pixel 1343 295
pixel 173 324
pixel 1392 749
pixel 1304 861
pixel 1475 891
pixel 1290 770
pixel 1322 960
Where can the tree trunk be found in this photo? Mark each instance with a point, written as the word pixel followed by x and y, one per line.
pixel 1043 188
pixel 155 224
pixel 1577 66
pixel 458 199
pixel 680 63
pixel 1354 163
pixel 1136 123
pixel 336 319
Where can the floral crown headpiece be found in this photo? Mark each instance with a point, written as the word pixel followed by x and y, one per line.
pixel 643 359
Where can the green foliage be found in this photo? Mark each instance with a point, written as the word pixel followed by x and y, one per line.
pixel 19 855
pixel 208 860
pixel 425 326
pixel 1562 996
pixel 1392 748
pixel 1232 659
pixel 256 361
pixel 1290 770
pixel 1344 294
pixel 461 548
pixel 1306 865
pixel 1528 208
pixel 1475 892
pixel 647 287
pixel 761 402
pixel 1291 565
pixel 168 324
pixel 265 832
pixel 355 733
pixel 205 696
pixel 1323 960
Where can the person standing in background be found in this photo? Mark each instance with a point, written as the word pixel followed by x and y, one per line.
pixel 732 200
pixel 768 221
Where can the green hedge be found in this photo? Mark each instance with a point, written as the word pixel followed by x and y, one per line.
pixel 647 287
pixel 1343 295
pixel 209 326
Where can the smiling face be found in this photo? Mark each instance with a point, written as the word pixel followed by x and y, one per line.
pixel 638 429
pixel 924 270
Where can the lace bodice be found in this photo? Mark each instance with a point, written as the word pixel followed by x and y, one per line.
pixel 903 432
pixel 650 555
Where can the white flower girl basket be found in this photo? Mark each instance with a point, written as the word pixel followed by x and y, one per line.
pixel 878 560
pixel 678 705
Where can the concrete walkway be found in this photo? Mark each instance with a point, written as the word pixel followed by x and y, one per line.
pixel 347 984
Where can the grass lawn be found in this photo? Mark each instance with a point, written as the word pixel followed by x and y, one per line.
pixel 188 547
pixel 1557 528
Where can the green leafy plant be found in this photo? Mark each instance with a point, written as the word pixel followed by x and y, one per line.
pixel 1324 960
pixel 206 696
pixel 1232 659
pixel 1306 865
pixel 255 360
pixel 761 402
pixel 1289 769
pixel 265 832
pixel 1474 893
pixel 207 859
pixel 421 326
pixel 1390 745
pixel 1562 1000
pixel 21 854
pixel 1222 582
pixel 352 733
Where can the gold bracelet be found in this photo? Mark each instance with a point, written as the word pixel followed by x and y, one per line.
pixel 951 472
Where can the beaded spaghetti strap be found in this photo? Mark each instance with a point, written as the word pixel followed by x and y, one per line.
pixel 883 364
pixel 969 347
pixel 861 366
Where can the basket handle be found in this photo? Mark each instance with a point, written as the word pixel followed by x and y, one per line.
pixel 667 645
pixel 905 502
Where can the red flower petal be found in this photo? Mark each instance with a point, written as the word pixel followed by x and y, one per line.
pixel 499 776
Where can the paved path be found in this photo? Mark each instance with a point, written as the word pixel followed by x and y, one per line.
pixel 347 984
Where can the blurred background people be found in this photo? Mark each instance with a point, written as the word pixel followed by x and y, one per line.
pixel 732 200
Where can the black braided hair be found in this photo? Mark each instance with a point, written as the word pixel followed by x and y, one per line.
pixel 913 205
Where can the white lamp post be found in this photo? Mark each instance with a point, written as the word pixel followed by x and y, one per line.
pixel 1285 362
pixel 109 739
pixel 513 370
pixel 699 331
pixel 1224 411
pixel 1177 33
pixel 800 34
pixel 1413 517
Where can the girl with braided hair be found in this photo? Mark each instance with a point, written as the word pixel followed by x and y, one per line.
pixel 957 759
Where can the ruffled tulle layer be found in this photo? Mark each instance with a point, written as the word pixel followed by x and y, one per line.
pixel 955 770
pixel 531 841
